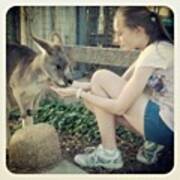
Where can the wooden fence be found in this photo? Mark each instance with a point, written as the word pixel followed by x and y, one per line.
pixel 99 55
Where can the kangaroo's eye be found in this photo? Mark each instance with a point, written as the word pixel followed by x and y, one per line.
pixel 58 67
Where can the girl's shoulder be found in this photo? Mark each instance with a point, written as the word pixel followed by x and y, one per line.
pixel 158 54
pixel 163 47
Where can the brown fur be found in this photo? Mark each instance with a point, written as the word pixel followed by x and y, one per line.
pixel 17 52
pixel 29 73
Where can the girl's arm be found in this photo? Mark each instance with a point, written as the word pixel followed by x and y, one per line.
pixel 131 91
pixel 128 73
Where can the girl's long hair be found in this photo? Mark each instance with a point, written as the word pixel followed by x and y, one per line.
pixel 150 21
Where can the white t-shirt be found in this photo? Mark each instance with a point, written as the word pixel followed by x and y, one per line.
pixel 160 55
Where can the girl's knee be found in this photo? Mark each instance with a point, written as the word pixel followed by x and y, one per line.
pixel 96 82
pixel 89 106
pixel 98 76
pixel 106 83
pixel 105 76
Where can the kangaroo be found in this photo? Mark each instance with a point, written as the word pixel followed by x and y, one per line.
pixel 29 73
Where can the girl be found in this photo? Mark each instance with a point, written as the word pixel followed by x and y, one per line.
pixel 142 99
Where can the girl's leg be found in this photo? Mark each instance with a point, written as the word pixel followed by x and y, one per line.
pixel 106 121
pixel 105 155
pixel 119 120
pixel 108 84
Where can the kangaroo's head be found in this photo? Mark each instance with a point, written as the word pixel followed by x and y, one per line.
pixel 54 62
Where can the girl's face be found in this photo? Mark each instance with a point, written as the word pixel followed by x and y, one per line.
pixel 128 38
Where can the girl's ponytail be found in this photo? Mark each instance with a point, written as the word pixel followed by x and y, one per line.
pixel 165 34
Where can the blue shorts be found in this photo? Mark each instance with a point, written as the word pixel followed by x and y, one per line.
pixel 154 127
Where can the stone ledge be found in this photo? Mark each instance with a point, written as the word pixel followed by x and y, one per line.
pixel 64 167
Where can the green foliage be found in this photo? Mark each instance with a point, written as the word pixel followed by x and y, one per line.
pixel 72 119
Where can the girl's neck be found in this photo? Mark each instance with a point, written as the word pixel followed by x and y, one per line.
pixel 145 42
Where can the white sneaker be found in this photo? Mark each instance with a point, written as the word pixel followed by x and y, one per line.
pixel 100 158
pixel 149 152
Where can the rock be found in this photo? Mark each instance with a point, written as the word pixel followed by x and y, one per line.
pixel 34 146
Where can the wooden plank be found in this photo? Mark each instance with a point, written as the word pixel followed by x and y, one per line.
pixel 98 55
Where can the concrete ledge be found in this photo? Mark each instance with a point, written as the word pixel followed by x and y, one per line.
pixel 64 167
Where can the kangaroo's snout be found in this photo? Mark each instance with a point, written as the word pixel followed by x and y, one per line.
pixel 68 76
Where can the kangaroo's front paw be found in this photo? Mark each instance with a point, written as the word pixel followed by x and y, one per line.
pixel 28 121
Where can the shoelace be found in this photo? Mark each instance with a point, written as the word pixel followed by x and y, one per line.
pixel 89 149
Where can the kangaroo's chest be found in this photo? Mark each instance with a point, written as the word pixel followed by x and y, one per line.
pixel 31 83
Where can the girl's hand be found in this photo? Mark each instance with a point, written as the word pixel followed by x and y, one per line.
pixel 64 92
pixel 83 85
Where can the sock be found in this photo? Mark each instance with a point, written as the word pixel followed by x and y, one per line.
pixel 108 153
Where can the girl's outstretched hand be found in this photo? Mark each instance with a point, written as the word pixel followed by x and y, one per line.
pixel 86 86
pixel 64 92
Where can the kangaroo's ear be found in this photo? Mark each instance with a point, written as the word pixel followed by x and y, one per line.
pixel 56 39
pixel 43 45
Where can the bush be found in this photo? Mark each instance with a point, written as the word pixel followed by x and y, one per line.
pixel 72 119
